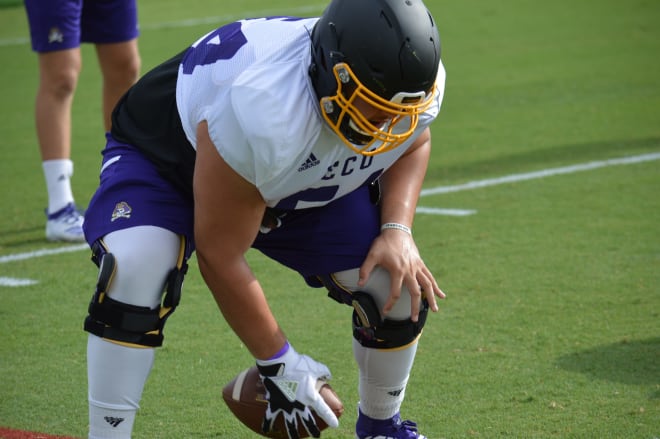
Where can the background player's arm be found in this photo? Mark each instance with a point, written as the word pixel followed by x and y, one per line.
pixel 228 213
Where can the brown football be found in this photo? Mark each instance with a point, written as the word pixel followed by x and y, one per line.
pixel 245 397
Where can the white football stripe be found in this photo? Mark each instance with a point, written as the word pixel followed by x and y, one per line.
pixel 238 386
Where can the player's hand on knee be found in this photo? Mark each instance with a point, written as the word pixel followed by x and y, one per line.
pixel 396 251
pixel 290 382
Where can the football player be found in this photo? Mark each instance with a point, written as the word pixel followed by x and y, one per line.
pixel 305 138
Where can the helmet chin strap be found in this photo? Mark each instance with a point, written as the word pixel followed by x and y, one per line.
pixel 357 129
pixel 354 127
pixel 354 135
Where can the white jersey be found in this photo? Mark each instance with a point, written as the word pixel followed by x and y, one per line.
pixel 250 82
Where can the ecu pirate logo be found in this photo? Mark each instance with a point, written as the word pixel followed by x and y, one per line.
pixel 122 210
pixel 55 35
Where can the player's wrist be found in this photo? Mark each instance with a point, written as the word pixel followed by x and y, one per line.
pixel 285 355
pixel 283 350
pixel 396 226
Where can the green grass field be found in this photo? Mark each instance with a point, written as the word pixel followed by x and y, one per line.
pixel 551 328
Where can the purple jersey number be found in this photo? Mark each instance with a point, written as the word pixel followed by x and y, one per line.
pixel 222 43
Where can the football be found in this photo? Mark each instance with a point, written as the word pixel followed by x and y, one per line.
pixel 245 397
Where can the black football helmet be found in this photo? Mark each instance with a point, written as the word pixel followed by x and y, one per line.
pixel 383 52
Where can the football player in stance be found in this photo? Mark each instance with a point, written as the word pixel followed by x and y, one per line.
pixel 305 138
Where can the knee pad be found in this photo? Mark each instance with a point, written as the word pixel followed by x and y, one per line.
pixel 369 328
pixel 372 331
pixel 122 323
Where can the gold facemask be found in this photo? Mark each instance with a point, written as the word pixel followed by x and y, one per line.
pixel 403 111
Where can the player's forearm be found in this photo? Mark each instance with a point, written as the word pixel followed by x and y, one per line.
pixel 402 183
pixel 243 304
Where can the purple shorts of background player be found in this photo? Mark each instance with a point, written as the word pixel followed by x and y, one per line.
pixel 64 24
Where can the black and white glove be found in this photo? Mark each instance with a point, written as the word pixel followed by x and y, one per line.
pixel 290 382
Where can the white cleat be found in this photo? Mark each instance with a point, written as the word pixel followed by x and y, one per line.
pixel 65 225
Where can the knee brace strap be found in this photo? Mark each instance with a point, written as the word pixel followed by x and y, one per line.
pixel 372 331
pixel 125 323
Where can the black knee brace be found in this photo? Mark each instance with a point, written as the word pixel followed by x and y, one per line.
pixel 130 324
pixel 369 329
pixel 372 331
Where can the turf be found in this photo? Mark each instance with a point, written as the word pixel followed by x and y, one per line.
pixel 550 328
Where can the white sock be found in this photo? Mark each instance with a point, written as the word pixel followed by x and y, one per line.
pixel 116 375
pixel 58 175
pixel 383 378
pixel 118 424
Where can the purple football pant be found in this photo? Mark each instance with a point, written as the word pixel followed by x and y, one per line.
pixel 315 241
pixel 64 24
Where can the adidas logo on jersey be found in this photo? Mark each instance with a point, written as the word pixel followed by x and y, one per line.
pixel 113 421
pixel 309 163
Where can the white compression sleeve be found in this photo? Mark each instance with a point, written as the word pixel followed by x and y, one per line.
pixel 383 373
pixel 117 373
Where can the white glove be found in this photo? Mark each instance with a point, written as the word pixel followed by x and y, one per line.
pixel 290 382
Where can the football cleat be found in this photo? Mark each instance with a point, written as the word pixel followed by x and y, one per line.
pixel 392 428
pixel 65 225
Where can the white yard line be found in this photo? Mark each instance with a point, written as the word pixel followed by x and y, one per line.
pixel 13 282
pixel 42 252
pixel 16 282
pixel 7 281
pixel 443 211
pixel 541 174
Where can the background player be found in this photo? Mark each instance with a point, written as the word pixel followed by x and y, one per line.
pixel 57 27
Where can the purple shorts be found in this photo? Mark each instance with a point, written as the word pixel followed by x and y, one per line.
pixel 316 241
pixel 64 24
pixel 132 193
